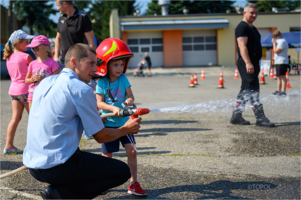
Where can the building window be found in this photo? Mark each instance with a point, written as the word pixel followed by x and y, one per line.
pixel 210 46
pixel 187 47
pixel 132 41
pixel 295 29
pixel 210 39
pixel 187 39
pixel 134 49
pixel 157 41
pixel 144 41
pixel 144 49
pixel 157 48
pixel 198 39
pixel 198 47
pixel 199 43
pixel 141 45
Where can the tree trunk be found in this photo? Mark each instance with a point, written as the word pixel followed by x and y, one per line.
pixel 30 30
pixel 10 18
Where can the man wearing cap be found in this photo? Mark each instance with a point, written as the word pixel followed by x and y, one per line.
pixel 74 26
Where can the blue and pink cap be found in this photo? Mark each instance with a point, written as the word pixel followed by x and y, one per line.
pixel 18 35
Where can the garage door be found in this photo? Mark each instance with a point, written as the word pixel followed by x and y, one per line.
pixel 150 42
pixel 199 47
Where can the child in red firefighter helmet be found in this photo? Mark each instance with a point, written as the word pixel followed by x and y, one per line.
pixel 112 90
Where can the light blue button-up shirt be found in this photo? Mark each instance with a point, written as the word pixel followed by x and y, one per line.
pixel 62 107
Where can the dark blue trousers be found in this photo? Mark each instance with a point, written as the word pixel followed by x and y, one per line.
pixel 84 175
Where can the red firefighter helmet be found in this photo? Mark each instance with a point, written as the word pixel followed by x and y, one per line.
pixel 111 49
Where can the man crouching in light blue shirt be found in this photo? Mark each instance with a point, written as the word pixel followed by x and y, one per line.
pixel 63 105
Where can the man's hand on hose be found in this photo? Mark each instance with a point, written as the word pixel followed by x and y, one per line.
pixel 250 68
pixel 132 125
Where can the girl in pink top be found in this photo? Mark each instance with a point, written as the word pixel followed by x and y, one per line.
pixel 43 67
pixel 17 63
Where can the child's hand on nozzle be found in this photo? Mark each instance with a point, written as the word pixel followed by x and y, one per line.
pixel 129 102
pixel 116 111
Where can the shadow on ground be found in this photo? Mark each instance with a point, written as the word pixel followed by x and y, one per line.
pixel 288 123
pixel 217 189
pixel 169 130
pixel 167 122
pixel 10 165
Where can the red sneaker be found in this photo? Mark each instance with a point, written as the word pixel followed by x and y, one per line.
pixel 136 190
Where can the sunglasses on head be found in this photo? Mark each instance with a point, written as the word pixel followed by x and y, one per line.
pixel 36 49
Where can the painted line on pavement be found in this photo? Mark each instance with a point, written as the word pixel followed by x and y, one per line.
pixel 31 196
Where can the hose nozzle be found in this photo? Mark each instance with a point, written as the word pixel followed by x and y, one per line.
pixel 142 111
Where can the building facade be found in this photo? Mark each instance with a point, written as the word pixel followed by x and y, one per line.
pixel 193 40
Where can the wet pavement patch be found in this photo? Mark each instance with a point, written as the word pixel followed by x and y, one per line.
pixel 280 140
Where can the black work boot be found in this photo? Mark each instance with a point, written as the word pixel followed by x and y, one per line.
pixel 237 117
pixel 261 119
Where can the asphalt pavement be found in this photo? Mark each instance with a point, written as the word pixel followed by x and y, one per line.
pixel 187 149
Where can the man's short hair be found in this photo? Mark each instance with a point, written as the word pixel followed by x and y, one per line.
pixel 249 5
pixel 67 2
pixel 78 51
pixel 276 33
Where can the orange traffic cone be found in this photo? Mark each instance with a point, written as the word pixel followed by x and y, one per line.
pixel 236 73
pixel 262 80
pixel 195 79
pixel 221 82
pixel 288 85
pixel 221 75
pixel 191 81
pixel 275 74
pixel 271 73
pixel 203 74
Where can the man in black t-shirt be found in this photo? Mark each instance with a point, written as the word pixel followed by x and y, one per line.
pixel 249 54
pixel 74 26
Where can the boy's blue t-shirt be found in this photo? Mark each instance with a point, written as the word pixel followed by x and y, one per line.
pixel 118 91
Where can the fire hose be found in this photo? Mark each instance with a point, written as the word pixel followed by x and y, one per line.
pixel 132 111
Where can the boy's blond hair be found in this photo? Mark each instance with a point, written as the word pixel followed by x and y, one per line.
pixel 276 33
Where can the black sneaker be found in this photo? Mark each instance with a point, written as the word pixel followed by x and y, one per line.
pixel 276 93
pixel 283 94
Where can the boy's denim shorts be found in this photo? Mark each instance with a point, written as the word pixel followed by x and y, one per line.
pixel 113 146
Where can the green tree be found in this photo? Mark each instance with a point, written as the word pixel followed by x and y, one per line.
pixel 35 14
pixel 293 4
pixel 100 12
pixel 209 6
pixel 153 8
pixel 266 6
pixel 194 7
pixel 10 18
pixel 82 5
